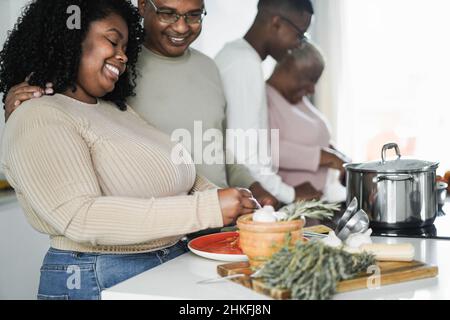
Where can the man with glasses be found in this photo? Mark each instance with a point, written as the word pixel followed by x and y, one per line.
pixel 179 86
pixel 171 26
pixel 280 25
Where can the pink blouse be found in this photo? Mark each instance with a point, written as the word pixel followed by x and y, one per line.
pixel 303 132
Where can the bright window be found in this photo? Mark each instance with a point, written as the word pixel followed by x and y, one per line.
pixel 395 78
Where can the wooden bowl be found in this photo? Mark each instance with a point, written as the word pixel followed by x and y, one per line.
pixel 260 240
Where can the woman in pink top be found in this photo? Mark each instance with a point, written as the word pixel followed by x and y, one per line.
pixel 306 154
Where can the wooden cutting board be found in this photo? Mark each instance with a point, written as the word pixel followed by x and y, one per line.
pixel 391 273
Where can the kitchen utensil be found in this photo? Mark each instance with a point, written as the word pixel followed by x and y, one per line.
pixel 349 212
pixel 320 228
pixel 314 235
pixel 221 246
pixel 260 240
pixel 358 223
pixel 395 194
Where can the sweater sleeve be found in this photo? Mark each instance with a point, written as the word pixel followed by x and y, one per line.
pixel 202 184
pixel 49 164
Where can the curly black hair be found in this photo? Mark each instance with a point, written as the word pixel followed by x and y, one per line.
pixel 287 5
pixel 42 43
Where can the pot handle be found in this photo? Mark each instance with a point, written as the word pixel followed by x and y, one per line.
pixel 394 177
pixel 387 147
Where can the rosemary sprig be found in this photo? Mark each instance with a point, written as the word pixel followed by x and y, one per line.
pixel 310 209
pixel 312 271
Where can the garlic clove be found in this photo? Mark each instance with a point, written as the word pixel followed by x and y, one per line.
pixel 280 216
pixel 269 209
pixel 332 240
pixel 356 240
pixel 261 216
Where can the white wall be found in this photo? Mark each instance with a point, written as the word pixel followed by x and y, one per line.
pixel 226 21
pixel 22 250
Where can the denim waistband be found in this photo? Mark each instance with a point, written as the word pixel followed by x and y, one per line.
pixel 65 244
pixel 90 256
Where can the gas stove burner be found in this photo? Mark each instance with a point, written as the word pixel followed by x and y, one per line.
pixel 440 229
pixel 425 232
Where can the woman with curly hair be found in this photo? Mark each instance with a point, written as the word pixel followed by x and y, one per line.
pixel 87 170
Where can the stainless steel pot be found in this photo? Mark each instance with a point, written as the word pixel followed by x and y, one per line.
pixel 395 194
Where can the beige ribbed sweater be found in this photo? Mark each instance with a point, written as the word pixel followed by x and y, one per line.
pixel 97 179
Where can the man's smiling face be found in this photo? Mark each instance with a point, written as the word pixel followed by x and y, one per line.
pixel 170 39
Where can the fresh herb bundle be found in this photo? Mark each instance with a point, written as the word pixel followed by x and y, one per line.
pixel 310 209
pixel 312 271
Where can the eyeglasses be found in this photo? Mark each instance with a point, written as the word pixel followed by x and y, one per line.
pixel 171 16
pixel 301 35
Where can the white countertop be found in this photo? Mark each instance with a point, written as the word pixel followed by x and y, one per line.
pixel 177 279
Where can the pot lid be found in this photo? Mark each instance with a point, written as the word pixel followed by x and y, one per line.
pixel 397 165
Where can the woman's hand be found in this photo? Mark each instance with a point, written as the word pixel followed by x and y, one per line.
pixel 23 92
pixel 235 202
pixel 332 159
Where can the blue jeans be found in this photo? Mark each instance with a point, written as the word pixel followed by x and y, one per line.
pixel 68 275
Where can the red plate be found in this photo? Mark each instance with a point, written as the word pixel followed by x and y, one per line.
pixel 222 246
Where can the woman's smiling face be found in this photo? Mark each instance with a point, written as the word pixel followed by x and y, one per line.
pixel 103 58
